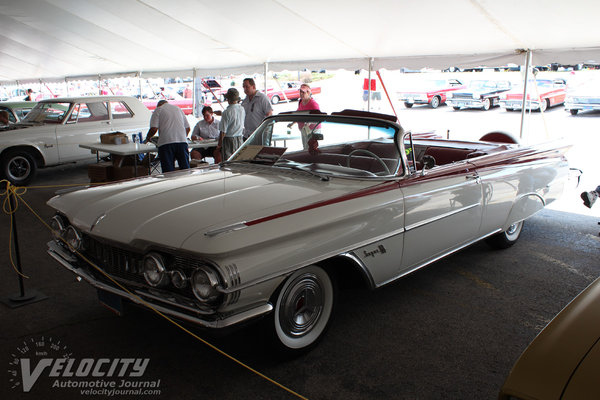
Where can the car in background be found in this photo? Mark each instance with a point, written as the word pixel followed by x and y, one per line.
pixel 306 201
pixel 289 91
pixel 50 134
pixel 17 110
pixel 169 94
pixel 563 361
pixel 430 91
pixel 584 97
pixel 546 93
pixel 482 94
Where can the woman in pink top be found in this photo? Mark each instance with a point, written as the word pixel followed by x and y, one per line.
pixel 306 101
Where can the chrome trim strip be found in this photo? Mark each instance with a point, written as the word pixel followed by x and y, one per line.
pixel 438 217
pixel 229 228
pixel 220 323
pixel 426 263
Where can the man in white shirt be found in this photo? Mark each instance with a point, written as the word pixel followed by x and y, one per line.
pixel 206 129
pixel 256 105
pixel 173 127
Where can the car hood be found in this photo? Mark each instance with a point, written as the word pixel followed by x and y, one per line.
pixel 564 359
pixel 168 209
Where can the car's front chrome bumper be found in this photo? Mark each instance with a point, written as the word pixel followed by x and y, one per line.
pixel 518 104
pixel 582 106
pixel 161 305
pixel 465 103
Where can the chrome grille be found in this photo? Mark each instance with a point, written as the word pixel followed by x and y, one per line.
pixel 462 96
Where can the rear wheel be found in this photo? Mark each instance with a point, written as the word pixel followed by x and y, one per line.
pixel 19 167
pixel 303 308
pixel 504 240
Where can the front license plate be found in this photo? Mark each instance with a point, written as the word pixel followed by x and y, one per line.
pixel 111 301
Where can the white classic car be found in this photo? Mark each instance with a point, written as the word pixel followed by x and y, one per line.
pixel 52 131
pixel 307 198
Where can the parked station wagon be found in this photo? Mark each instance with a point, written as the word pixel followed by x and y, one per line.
pixel 52 131
pixel 307 199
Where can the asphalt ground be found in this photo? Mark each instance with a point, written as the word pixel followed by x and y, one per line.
pixel 449 331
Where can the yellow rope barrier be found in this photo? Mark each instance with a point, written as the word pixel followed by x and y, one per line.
pixel 19 191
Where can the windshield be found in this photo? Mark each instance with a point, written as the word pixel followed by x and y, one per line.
pixel 48 113
pixel 482 84
pixel 324 146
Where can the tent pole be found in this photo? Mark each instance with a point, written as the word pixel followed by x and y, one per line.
pixel 527 66
pixel 266 69
pixel 195 99
pixel 369 84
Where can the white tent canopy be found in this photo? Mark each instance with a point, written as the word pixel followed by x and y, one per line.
pixel 73 39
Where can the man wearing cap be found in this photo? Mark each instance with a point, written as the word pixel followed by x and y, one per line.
pixel 256 105
pixel 172 127
pixel 231 125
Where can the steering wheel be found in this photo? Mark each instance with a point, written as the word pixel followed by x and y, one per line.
pixel 371 154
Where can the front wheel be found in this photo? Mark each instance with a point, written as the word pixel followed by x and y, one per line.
pixel 408 105
pixel 435 102
pixel 487 104
pixel 504 240
pixel 574 112
pixel 19 167
pixel 303 308
pixel 275 99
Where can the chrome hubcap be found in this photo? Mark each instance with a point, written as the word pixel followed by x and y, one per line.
pixel 19 168
pixel 302 306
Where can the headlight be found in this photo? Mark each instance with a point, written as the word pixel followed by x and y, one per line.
pixel 155 273
pixel 503 97
pixel 449 95
pixel 475 96
pixel 73 238
pixel 204 285
pixel 178 279
pixel 58 225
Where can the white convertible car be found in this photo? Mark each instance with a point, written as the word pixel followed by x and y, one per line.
pixel 307 199
pixel 52 131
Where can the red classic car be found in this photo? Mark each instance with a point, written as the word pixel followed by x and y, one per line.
pixel 431 91
pixel 549 93
pixel 169 94
pixel 290 92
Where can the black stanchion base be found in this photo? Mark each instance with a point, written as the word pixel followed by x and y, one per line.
pixel 16 300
